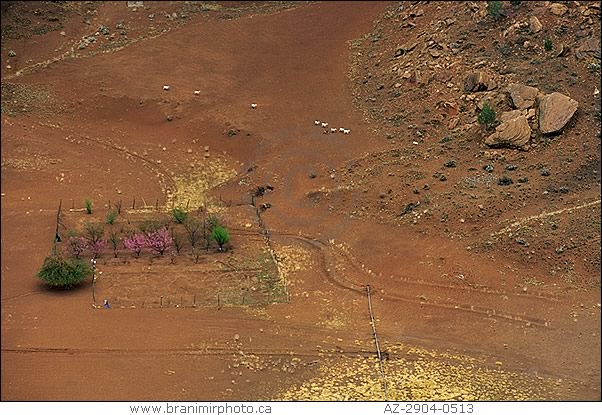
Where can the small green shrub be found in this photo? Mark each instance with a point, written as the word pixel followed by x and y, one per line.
pixel 111 217
pixel 494 9
pixel 88 205
pixel 515 3
pixel 487 116
pixel 179 215
pixel 61 272
pixel 547 44
pixel 221 236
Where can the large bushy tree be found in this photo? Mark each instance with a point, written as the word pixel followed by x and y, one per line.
pixel 60 272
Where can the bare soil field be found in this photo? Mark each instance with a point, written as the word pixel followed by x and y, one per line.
pixel 482 257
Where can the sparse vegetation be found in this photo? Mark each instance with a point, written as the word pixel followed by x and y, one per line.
pixel 111 217
pixel 60 272
pixel 88 206
pixel 487 117
pixel 547 44
pixel 179 215
pixel 221 236
pixel 494 9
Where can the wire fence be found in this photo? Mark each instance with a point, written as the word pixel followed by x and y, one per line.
pixel 277 292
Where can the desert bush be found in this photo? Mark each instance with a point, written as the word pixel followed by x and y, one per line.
pixel 194 229
pixel 178 241
pixel 149 226
pixel 63 272
pixel 547 44
pixel 114 240
pixel 494 9
pixel 487 116
pixel 94 231
pixel 179 215
pixel 111 217
pixel 76 245
pixel 221 236
pixel 88 206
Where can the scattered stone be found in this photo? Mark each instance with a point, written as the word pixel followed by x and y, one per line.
pixel 515 133
pixel 589 47
pixel 312 174
pixel 504 181
pixel 511 167
pixel 534 24
pixel 169 117
pixel 236 337
pixel 104 30
pixel 544 172
pixel 189 151
pixel 522 96
pixel 12 53
pixel 555 111
pixel 558 9
pixel 563 189
pixel 521 241
pixel 488 168
pixel 403 49
pixel 479 81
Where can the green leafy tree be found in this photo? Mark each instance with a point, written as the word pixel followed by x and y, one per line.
pixel 221 236
pixel 487 116
pixel 61 272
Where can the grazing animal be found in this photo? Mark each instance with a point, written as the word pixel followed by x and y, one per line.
pixel 324 124
pixel 342 129
pixel 253 106
pixel 166 87
pixel 197 92
pixel 346 131
pixel 333 130
pixel 317 122
pixel 325 131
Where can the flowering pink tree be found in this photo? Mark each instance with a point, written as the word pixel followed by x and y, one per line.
pixel 135 243
pixel 97 247
pixel 159 241
pixel 76 245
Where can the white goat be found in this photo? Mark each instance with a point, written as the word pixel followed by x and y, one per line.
pixel 324 124
pixel 166 87
pixel 253 106
pixel 197 92
pixel 333 130
pixel 346 131
pixel 317 122
pixel 342 130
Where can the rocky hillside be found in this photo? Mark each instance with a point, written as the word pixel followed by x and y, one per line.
pixel 527 182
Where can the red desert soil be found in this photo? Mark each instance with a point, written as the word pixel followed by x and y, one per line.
pixel 480 291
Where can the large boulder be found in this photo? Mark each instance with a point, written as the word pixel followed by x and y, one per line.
pixel 479 81
pixel 522 96
pixel 514 133
pixel 555 111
